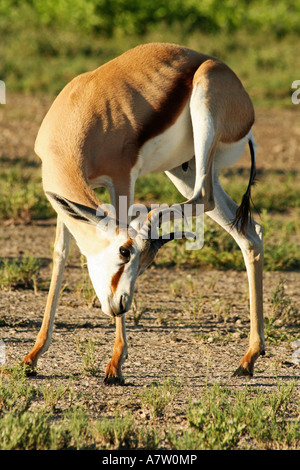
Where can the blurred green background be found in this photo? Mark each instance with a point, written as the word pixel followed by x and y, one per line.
pixel 45 43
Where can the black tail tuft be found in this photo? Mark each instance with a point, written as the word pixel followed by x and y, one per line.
pixel 243 213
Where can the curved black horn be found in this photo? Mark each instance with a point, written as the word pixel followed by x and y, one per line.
pixel 150 228
pixel 161 241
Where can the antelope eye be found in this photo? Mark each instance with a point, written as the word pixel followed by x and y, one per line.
pixel 125 253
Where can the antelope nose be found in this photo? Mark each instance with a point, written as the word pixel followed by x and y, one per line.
pixel 124 303
pixel 121 307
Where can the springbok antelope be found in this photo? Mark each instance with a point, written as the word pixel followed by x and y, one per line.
pixel 157 107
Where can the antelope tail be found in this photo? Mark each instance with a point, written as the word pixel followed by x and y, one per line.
pixel 243 213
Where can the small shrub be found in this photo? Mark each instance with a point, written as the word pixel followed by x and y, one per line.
pixel 19 273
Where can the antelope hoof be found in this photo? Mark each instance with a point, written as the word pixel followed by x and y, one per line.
pixel 113 376
pixel 111 380
pixel 242 372
pixel 246 367
pixel 29 369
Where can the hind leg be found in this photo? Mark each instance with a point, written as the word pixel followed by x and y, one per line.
pixel 252 248
pixel 205 143
pixel 221 111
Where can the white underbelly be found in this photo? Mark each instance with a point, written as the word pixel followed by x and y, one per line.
pixel 169 149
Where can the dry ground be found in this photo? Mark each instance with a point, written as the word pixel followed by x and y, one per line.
pixel 169 340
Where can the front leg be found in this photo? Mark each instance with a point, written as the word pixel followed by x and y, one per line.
pixel 113 375
pixel 60 255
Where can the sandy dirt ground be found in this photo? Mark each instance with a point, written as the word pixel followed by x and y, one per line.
pixel 170 340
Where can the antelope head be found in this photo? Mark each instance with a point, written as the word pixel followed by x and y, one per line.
pixel 115 267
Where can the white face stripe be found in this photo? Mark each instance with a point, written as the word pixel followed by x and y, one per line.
pixel 111 277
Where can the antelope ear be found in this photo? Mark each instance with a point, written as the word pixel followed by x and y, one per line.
pixel 78 211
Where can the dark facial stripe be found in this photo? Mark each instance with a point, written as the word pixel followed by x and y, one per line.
pixel 116 278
